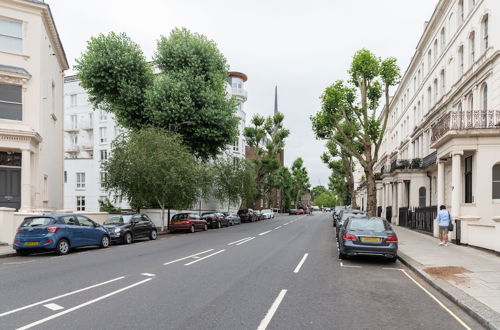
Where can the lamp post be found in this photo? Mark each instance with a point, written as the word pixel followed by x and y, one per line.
pixel 178 124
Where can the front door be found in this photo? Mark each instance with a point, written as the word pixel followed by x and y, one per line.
pixel 10 187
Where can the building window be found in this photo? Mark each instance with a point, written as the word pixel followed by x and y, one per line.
pixel 443 82
pixel 102 134
pixel 74 121
pixel 104 155
pixel 80 203
pixel 460 11
pixel 496 182
pixel 429 97
pixel 11 37
pixel 11 106
pixel 429 60
pixel 484 26
pixel 103 115
pixel 102 178
pixel 443 39
pixel 80 180
pixel 435 90
pixel 470 102
pixel 421 197
pixel 74 140
pixel 484 96
pixel 461 60
pixel 468 180
pixel 435 49
pixel 72 98
pixel 65 176
pixel 472 46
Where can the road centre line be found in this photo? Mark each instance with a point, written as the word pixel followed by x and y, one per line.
pixel 278 227
pixel 301 263
pixel 191 256
pixel 286 223
pixel 437 300
pixel 351 266
pixel 238 241
pixel 270 313
pixel 148 274
pixel 60 296
pixel 248 240
pixel 205 257
pixel 54 307
pixel 266 232
pixel 31 325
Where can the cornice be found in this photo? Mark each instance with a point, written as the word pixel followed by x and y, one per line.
pixel 9 134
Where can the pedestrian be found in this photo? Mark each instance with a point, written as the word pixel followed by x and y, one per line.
pixel 444 219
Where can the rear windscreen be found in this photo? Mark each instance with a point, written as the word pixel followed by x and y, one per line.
pixel 367 225
pixel 34 222
pixel 180 217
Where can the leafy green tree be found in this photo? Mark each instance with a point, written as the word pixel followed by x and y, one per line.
pixel 353 109
pixel 232 180
pixel 106 206
pixel 326 199
pixel 267 137
pixel 316 191
pixel 189 88
pixel 152 167
pixel 300 180
pixel 284 183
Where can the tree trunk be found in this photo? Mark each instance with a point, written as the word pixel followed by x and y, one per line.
pixel 162 217
pixel 352 192
pixel 371 189
pixel 168 220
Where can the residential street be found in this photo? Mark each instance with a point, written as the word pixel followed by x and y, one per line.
pixel 218 280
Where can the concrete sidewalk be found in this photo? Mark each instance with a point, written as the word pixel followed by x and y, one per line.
pixel 6 251
pixel 468 276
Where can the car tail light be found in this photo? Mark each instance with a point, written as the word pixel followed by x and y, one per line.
pixel 214 218
pixel 48 241
pixel 16 242
pixel 349 237
pixel 391 239
pixel 53 229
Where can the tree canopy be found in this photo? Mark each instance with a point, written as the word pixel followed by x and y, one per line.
pixel 326 199
pixel 189 87
pixel 300 180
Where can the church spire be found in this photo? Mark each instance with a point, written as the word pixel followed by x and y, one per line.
pixel 276 99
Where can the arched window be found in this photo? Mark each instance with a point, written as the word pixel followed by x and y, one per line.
pixel 472 47
pixel 443 82
pixel 429 97
pixel 435 49
pixel 421 197
pixel 461 59
pixel 435 90
pixel 451 26
pixel 484 96
pixel 460 11
pixel 484 28
pixel 470 102
pixel 495 189
pixel 429 60
pixel 443 39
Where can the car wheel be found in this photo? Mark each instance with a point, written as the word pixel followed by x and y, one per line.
pixel 231 223
pixel 127 238
pixel 105 241
pixel 205 227
pixel 192 229
pixel 22 252
pixel 62 247
pixel 393 259
pixel 153 235
pixel 219 225
pixel 342 255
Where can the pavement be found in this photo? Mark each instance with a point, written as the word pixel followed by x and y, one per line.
pixel 274 274
pixel 468 276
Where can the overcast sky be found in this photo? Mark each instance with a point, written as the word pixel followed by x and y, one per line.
pixel 300 46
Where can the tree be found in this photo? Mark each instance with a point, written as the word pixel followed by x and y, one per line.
pixel 342 179
pixel 152 167
pixel 284 182
pixel 352 108
pixel 267 138
pixel 233 180
pixel 300 180
pixel 316 191
pixel 326 199
pixel 190 87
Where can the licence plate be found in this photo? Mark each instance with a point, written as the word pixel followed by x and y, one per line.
pixel 370 239
pixel 31 243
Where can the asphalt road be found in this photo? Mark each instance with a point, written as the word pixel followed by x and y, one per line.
pixel 274 274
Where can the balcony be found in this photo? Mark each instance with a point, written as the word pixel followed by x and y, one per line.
pixel 88 146
pixel 429 160
pixel 466 122
pixel 239 92
pixel 405 164
pixel 72 149
pixel 87 125
pixel 71 129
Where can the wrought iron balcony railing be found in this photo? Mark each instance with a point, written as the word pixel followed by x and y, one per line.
pixel 465 119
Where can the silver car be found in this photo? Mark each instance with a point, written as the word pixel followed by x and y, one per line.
pixel 367 236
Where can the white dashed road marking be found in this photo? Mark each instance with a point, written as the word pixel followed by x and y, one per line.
pixel 238 241
pixel 270 313
pixel 191 256
pixel 148 274
pixel 301 263
pixel 266 232
pixel 205 257
pixel 248 240
pixel 54 307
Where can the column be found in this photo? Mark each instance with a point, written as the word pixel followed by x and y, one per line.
pixel 411 150
pixel 26 181
pixel 394 202
pixel 440 193
pixel 421 145
pixel 401 189
pixel 456 183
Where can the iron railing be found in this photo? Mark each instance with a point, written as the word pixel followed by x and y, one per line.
pixel 388 213
pixel 418 218
pixel 405 164
pixel 465 119
pixel 379 211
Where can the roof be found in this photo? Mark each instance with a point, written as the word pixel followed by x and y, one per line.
pixel 238 74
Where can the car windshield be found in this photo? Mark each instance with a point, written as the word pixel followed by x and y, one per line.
pixel 35 222
pixel 182 216
pixel 346 215
pixel 266 211
pixel 377 225
pixel 118 220
pixel 208 215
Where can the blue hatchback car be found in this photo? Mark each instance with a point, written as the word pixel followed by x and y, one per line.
pixel 58 232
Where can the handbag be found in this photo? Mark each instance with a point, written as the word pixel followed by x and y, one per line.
pixel 450 224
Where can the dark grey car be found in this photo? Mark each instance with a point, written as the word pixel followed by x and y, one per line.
pixel 368 236
pixel 344 215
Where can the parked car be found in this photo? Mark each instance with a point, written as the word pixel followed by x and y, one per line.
pixel 187 221
pixel 215 220
pixel 258 215
pixel 125 228
pixel 267 214
pixel 58 232
pixel 247 215
pixel 301 211
pixel 232 218
pixel 343 216
pixel 293 212
pixel 368 236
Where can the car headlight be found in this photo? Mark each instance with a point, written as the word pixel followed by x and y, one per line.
pixel 117 230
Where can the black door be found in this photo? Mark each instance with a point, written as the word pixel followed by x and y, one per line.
pixel 10 187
